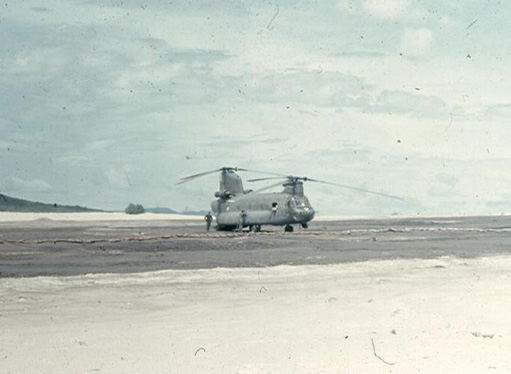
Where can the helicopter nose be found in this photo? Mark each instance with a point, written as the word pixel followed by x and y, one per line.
pixel 304 215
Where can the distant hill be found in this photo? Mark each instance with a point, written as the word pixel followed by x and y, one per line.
pixel 159 210
pixel 11 204
pixel 195 212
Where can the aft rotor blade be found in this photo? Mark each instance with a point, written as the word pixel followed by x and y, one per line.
pixel 269 187
pixel 264 172
pixel 191 177
pixel 224 169
pixel 356 189
pixel 233 169
pixel 263 179
pixel 202 174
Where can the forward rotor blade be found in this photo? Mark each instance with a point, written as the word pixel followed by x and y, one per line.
pixel 357 189
pixel 269 187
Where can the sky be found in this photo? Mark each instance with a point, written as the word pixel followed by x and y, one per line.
pixel 105 103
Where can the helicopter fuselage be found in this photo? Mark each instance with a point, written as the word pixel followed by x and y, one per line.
pixel 257 209
pixel 236 207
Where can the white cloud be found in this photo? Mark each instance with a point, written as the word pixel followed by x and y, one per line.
pixel 117 178
pixel 406 103
pixel 15 184
pixel 498 111
pixel 416 42
pixel 72 159
pixel 391 10
pixel 386 8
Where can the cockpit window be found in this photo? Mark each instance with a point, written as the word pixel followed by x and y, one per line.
pixel 299 202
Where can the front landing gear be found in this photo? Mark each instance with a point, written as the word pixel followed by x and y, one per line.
pixel 255 228
pixel 304 225
pixel 288 228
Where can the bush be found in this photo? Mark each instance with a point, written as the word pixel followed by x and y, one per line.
pixel 134 209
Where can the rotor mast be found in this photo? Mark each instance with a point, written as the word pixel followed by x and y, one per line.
pixel 294 187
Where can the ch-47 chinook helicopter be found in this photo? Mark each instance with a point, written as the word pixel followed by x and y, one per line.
pixel 236 207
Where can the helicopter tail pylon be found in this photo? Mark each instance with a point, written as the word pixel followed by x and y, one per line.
pixel 230 182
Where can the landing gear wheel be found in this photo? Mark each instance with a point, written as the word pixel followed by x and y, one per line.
pixel 288 228
pixel 255 228
pixel 304 225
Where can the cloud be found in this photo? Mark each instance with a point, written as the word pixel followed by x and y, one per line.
pixel 360 54
pixel 86 72
pixel 72 159
pixel 386 8
pixel 40 9
pixel 390 10
pixel 301 88
pixel 416 42
pixel 117 178
pixel 243 143
pixel 503 205
pixel 305 87
pixel 15 184
pixel 447 179
pixel 498 111
pixel 346 152
pixel 399 102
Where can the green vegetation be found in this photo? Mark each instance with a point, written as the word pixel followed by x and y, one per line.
pixel 134 209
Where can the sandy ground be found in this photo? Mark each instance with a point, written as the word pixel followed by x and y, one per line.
pixel 115 216
pixel 430 316
pixel 119 216
pixel 364 296
pixel 45 247
pixel 92 217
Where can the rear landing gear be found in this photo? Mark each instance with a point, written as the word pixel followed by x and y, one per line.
pixel 304 225
pixel 288 228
